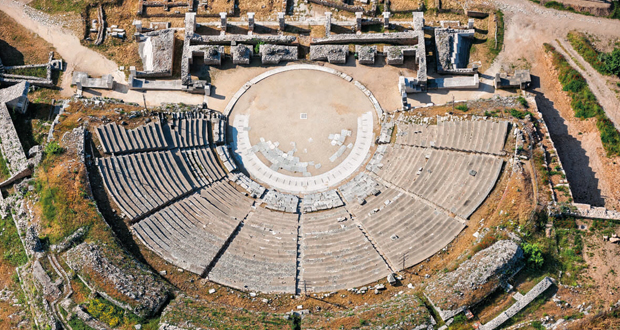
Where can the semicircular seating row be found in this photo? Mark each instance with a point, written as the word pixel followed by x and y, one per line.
pixel 183 208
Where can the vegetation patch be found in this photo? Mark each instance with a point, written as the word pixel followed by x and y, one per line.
pixel 186 312
pixel 496 44
pixel 584 102
pixel 604 63
pixel 10 244
pixel 4 169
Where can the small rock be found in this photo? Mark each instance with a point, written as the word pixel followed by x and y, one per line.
pixel 163 273
pixel 300 307
pixel 211 291
pixel 252 294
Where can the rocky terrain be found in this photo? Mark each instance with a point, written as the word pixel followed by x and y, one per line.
pixel 120 278
pixel 454 292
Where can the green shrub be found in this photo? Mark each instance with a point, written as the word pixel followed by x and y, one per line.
pixel 583 46
pixel 462 107
pixel 523 102
pixel 53 148
pixel 105 312
pixel 611 62
pixel 4 169
pixel 500 36
pixel 519 114
pixel 533 254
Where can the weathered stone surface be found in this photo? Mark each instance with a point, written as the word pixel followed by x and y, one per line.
pixel 120 278
pixel 453 50
pixel 49 289
pixel 10 145
pixel 274 54
pixel 331 53
pixel 452 293
pixel 157 53
pixel 241 54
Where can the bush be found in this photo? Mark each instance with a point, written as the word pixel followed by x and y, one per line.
pixel 462 107
pixel 105 312
pixel 611 62
pixel 519 114
pixel 533 254
pixel 523 102
pixel 583 46
pixel 53 148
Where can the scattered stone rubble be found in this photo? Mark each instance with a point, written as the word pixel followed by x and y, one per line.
pixel 278 201
pixel 321 201
pixel 143 292
pixel 358 189
pixel 374 165
pixel 241 54
pixel 366 54
pixel 452 293
pixel 335 54
pixel 254 189
pixel 274 54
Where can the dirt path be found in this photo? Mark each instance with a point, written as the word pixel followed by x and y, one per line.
pixel 597 83
pixel 67 45
pixel 80 58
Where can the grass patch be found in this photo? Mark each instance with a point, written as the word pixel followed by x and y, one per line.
pixel 500 37
pixel 34 72
pixel 105 312
pixel 4 169
pixel 582 45
pixel 584 102
pixel 10 244
pixel 523 102
pixel 59 6
pixel 519 114
pixel 462 107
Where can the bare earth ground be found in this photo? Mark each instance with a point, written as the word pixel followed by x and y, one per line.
pixel 593 176
pixel 331 104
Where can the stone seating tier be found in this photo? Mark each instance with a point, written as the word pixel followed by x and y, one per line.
pixel 335 253
pixel 406 229
pixel 142 183
pixel 188 233
pixel 203 165
pixel 262 256
pixel 118 140
pixel 484 136
pixel 457 182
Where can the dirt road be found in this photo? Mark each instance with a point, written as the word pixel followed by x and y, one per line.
pixel 593 176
